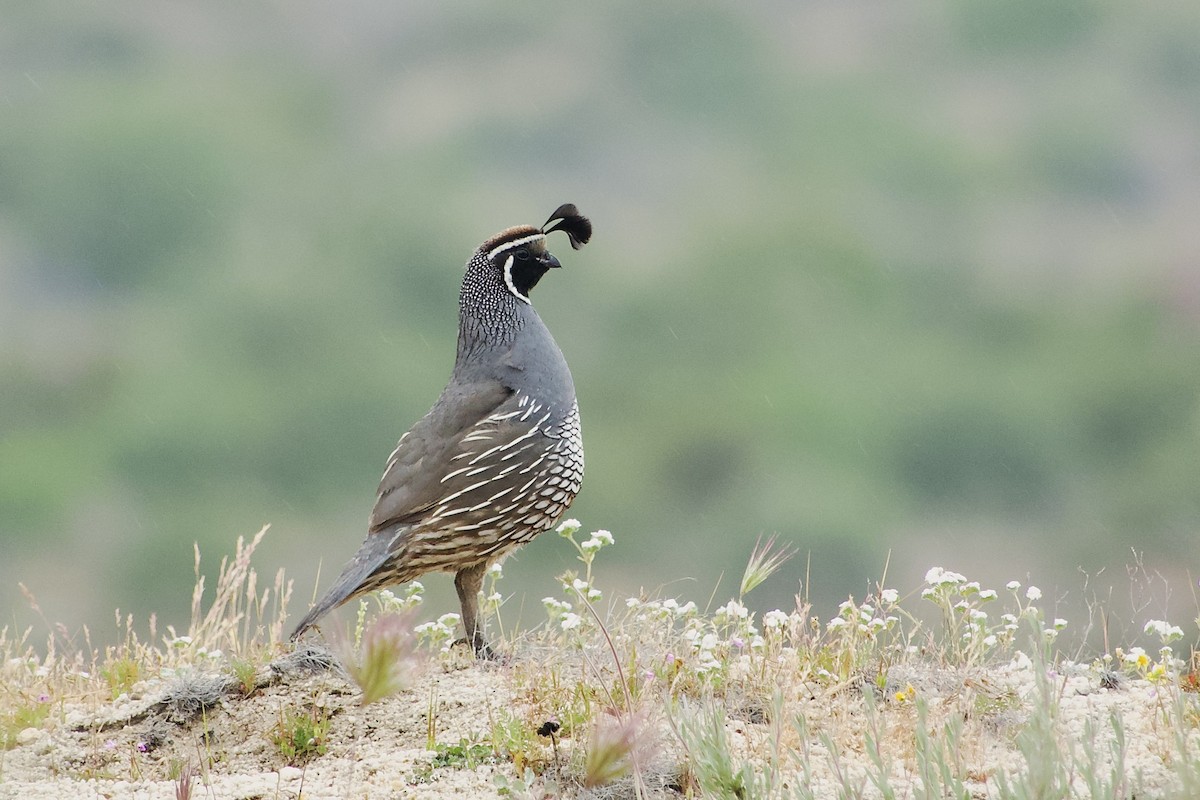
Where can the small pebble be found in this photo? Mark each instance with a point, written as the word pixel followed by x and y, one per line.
pixel 28 736
pixel 291 773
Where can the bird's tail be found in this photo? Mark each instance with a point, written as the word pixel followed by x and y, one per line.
pixel 359 576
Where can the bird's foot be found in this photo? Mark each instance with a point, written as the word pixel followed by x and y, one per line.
pixel 483 650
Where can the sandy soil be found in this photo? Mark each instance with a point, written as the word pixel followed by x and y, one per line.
pixel 131 747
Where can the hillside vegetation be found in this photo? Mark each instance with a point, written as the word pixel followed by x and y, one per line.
pixel 919 278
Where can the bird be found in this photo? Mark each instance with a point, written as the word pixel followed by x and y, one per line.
pixel 498 459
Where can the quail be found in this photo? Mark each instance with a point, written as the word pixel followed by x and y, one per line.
pixel 498 458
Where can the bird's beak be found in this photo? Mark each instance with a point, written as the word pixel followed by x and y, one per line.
pixel 550 261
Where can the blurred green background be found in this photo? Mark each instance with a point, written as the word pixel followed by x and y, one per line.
pixel 919 278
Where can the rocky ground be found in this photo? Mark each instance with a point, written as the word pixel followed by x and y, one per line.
pixel 228 735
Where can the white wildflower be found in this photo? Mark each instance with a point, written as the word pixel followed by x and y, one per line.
pixel 603 537
pixel 937 576
pixel 1164 630
pixel 733 610
pixel 775 619
pixel 555 606
pixel 1033 593
pixel 889 596
pixel 654 607
pixel 1134 655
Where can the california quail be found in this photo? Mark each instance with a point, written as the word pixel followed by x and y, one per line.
pixel 499 457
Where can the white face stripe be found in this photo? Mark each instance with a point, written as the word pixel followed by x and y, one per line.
pixel 508 281
pixel 514 243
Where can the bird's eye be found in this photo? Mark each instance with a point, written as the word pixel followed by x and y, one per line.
pixel 522 255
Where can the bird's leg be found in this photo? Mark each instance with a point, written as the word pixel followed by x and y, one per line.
pixel 468 582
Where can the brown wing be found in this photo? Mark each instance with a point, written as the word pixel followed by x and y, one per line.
pixel 412 482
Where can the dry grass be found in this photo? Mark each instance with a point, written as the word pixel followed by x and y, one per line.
pixel 638 697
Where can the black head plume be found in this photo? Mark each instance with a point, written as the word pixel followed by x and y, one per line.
pixel 577 227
